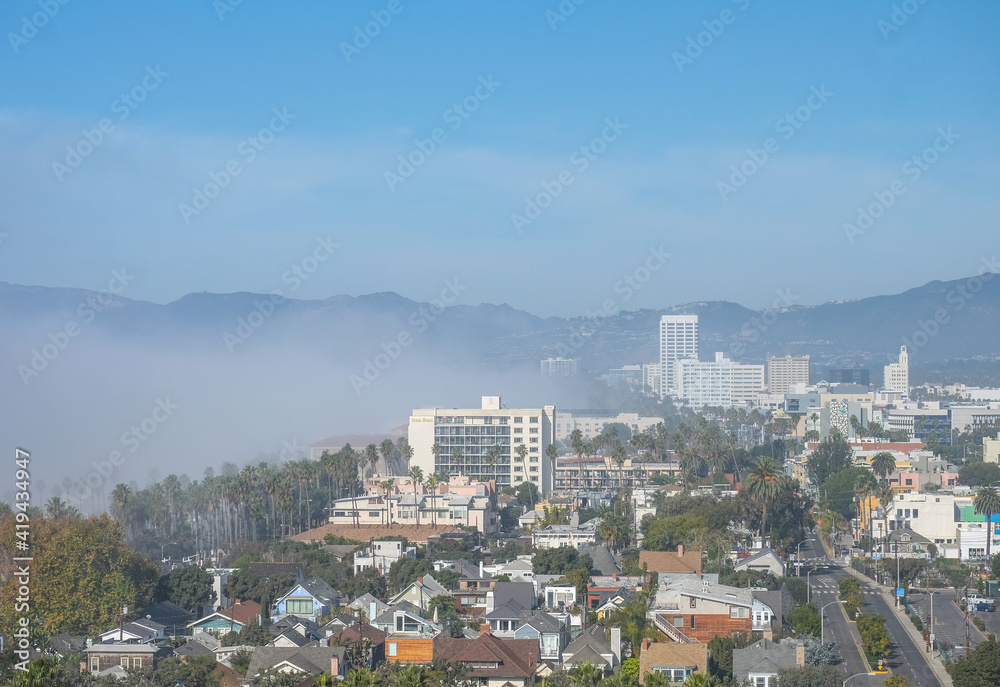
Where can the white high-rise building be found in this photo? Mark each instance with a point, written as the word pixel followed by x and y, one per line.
pixel 464 437
pixel 560 367
pixel 719 382
pixel 897 375
pixel 678 341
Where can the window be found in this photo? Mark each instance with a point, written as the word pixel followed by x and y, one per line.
pixel 137 662
pixel 909 482
pixel 533 459
pixel 737 612
pixel 391 647
pixel 533 449
pixel 533 430
pixel 693 602
pixel 906 513
pixel 533 440
pixel 374 513
pixel 339 514
pixel 916 511
pixel 518 430
pixel 124 662
pixel 518 468
pixel 678 621
pixel 299 606
pixel 518 420
pixel 532 469
pixel 533 419
pixel 692 622
pixel 503 421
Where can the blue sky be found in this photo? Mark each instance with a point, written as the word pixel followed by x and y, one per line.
pixel 554 85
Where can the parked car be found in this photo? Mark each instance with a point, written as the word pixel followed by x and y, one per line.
pixel 983 605
pixel 972 598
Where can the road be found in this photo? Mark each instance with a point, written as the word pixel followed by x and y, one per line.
pixel 836 628
pixel 906 656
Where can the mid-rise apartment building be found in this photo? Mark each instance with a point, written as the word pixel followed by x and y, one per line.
pixel 460 441
pixel 897 375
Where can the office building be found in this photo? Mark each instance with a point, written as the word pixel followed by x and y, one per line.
pixel 783 373
pixel 719 382
pixel 678 341
pixel 466 436
pixel 849 375
pixel 897 375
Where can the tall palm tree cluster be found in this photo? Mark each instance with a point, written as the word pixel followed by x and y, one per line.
pixel 263 501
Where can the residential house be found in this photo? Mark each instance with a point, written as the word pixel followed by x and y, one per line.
pixel 173 618
pixel 555 536
pixel 758 664
pixel 523 593
pixel 594 647
pixel 310 599
pixel 363 632
pixel 602 587
pixel 306 660
pixel 201 644
pixel 697 609
pixel 670 565
pixel 518 570
pixel 230 619
pixel 290 638
pixel 420 592
pixel 558 595
pixel 64 644
pixel 382 554
pixel 410 638
pixel 675 661
pixel 763 560
pixel 98 658
pixel 371 606
pixel 551 632
pixel 614 601
pixel 777 607
pixel 338 623
pixel 906 541
pixel 494 662
pixel 141 631
pixel 464 568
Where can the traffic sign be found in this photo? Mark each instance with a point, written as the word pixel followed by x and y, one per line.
pixel 900 591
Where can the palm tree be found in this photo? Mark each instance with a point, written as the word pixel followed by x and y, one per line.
pixel 585 675
pixel 56 508
pixel 493 454
pixel 457 458
pixel 987 502
pixel 886 495
pixel 405 451
pixel 436 452
pixel 552 452
pixel 764 482
pixel 521 452
pixel 386 486
pixel 416 476
pixel 433 481
pixel 386 448
pixel 371 456
pixel 883 465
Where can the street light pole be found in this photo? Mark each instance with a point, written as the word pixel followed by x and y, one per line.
pixel 822 634
pixel 808 587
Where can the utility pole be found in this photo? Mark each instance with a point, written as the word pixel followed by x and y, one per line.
pixel 928 592
pixel 967 647
pixel 896 547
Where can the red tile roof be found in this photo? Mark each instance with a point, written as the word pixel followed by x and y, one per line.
pixel 244 612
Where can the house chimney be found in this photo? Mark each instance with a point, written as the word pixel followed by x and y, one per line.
pixel 614 576
pixel 645 643
pixel 800 653
pixel 616 642
pixel 680 551
pixel 334 665
pixel 484 629
pixel 236 602
pixel 324 642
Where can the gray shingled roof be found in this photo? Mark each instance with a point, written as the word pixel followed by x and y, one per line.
pixel 763 656
pixel 311 659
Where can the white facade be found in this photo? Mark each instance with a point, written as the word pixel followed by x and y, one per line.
pixel 473 431
pixel 678 340
pixel 783 374
pixel 555 536
pixel 590 425
pixel 897 375
pixel 560 367
pixel 651 377
pixel 719 382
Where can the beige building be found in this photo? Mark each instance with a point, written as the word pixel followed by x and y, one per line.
pixel 991 449
pixel 786 372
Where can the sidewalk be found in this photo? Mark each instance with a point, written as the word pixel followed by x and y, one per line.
pixel 936 665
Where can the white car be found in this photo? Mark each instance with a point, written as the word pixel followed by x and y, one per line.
pixel 972 598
